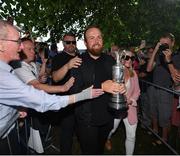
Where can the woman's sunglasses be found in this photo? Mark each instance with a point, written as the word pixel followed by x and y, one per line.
pixel 126 57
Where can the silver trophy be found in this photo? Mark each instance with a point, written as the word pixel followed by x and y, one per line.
pixel 118 101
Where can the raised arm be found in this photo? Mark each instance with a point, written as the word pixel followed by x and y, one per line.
pixel 52 89
pixel 60 73
pixel 175 73
pixel 151 61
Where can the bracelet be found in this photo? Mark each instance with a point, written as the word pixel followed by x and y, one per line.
pixel 170 62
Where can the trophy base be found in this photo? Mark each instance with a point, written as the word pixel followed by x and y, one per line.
pixel 118 111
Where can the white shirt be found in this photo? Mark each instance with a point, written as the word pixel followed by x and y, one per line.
pixel 27 72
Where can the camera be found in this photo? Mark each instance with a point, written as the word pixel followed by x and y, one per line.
pixel 163 47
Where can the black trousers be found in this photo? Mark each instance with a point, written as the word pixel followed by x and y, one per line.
pixel 67 124
pixel 10 144
pixel 39 121
pixel 92 138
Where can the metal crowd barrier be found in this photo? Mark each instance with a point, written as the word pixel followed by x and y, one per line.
pixel 24 141
pixel 15 117
pixel 149 128
pixel 163 88
pixel 9 124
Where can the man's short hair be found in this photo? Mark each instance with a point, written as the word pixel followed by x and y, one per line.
pixel 69 34
pixel 26 39
pixel 89 27
pixel 3 28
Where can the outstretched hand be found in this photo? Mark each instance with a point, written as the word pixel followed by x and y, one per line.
pixel 74 62
pixel 22 112
pixel 96 92
pixel 88 93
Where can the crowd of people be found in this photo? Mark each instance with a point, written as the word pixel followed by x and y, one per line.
pixel 74 90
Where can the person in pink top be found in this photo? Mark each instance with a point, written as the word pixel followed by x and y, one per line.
pixel 132 95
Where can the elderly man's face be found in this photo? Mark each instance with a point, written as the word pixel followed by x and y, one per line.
pixel 11 46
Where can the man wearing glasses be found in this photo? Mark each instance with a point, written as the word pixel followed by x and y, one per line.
pixel 61 68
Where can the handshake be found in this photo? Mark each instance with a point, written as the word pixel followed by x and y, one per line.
pixel 108 86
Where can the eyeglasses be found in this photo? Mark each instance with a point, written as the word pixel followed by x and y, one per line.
pixel 70 42
pixel 128 57
pixel 17 41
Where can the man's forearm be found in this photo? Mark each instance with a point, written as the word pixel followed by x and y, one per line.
pixel 174 72
pixel 60 73
pixel 150 64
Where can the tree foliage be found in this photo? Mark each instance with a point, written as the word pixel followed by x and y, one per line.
pixel 123 22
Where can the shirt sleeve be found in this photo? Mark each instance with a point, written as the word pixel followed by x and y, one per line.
pixel 13 92
pixel 25 74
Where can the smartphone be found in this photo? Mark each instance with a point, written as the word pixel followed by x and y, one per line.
pixel 46 53
pixel 143 42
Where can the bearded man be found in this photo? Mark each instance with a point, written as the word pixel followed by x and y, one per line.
pixel 94 121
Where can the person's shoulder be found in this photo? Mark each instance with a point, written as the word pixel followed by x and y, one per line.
pixel 60 54
pixel 23 70
pixel 4 73
pixel 23 65
pixel 15 64
pixel 109 58
pixel 57 57
pixel 84 55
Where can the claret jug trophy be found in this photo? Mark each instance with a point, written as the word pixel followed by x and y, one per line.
pixel 118 102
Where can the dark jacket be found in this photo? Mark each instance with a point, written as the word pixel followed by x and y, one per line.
pixel 93 72
pixel 58 62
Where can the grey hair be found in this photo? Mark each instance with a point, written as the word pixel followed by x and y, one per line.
pixel 3 28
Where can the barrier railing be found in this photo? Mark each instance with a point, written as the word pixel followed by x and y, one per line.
pixel 15 117
pixel 9 124
pixel 160 87
pixel 149 128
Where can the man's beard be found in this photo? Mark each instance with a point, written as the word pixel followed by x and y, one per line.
pixel 95 51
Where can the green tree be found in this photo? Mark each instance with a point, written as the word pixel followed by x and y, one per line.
pixel 123 22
